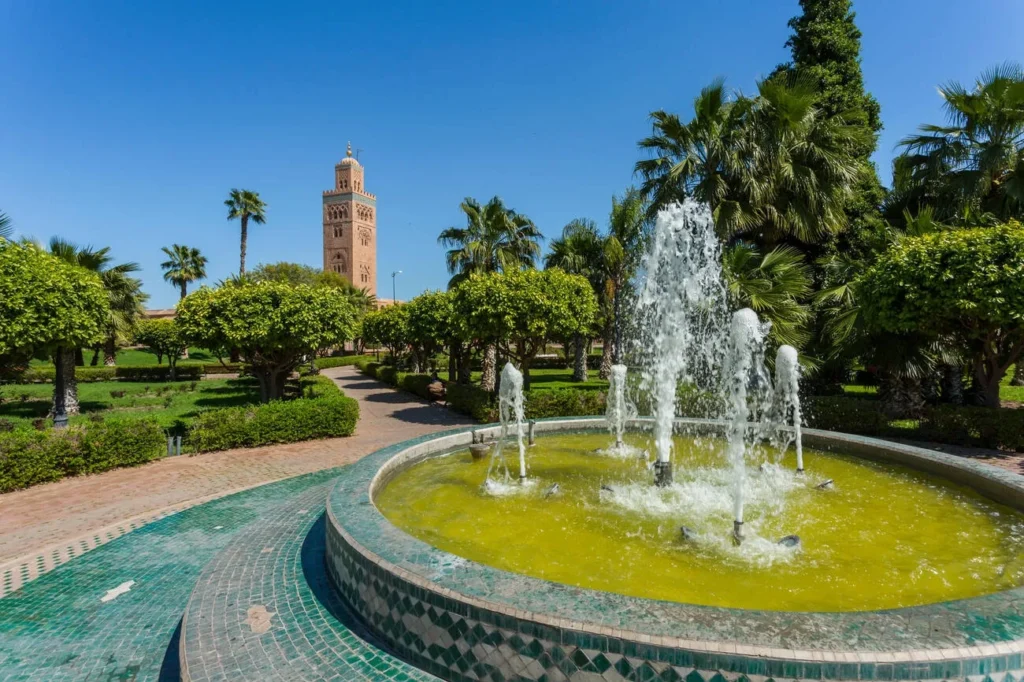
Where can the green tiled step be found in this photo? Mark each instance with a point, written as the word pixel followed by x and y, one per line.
pixel 263 609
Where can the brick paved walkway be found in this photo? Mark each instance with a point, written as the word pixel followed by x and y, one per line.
pixel 47 525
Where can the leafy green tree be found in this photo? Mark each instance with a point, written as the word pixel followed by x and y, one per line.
pixel 297 273
pixel 245 205
pixel 623 253
pixel 495 239
pixel 971 170
pixel 127 300
pixel 184 265
pixel 968 284
pixel 580 251
pixel 48 306
pixel 521 310
pixel 389 327
pixel 162 337
pixel 774 286
pixel 274 326
pixel 430 326
pixel 771 168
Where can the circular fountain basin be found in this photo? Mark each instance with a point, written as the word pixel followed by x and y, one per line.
pixel 810 613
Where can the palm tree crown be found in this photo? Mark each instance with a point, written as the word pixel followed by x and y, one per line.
pixel 771 167
pixel 495 239
pixel 245 205
pixel 6 226
pixel 971 170
pixel 184 264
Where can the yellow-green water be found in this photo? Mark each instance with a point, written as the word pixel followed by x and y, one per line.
pixel 883 537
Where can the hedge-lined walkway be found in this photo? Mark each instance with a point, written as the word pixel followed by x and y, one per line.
pixel 46 525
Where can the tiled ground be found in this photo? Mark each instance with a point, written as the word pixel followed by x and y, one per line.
pixel 263 609
pixel 49 524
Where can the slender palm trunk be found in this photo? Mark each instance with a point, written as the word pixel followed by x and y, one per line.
pixel 607 350
pixel 245 237
pixel 579 370
pixel 65 388
pixel 488 375
pixel 110 352
pixel 95 357
pixel 901 396
pixel 184 293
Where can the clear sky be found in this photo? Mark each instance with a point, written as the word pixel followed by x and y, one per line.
pixel 125 123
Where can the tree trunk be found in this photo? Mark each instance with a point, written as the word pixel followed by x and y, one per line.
pixel 79 357
pixel 110 352
pixel 579 370
pixel 95 357
pixel 489 375
pixel 953 384
pixel 453 362
pixel 234 355
pixel 245 236
pixel 414 361
pixel 986 387
pixel 607 349
pixel 901 396
pixel 465 365
pixel 526 373
pixel 1018 375
pixel 65 388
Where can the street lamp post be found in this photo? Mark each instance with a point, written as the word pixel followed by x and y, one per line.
pixel 394 296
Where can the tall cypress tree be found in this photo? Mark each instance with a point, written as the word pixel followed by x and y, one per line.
pixel 825 45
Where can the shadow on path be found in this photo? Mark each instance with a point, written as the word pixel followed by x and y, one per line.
pixel 170 669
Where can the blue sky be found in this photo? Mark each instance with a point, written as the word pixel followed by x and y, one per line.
pixel 126 123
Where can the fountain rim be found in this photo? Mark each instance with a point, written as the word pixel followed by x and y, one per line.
pixel 884 636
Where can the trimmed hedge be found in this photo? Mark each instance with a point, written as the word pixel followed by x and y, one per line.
pixel 339 361
pixel 146 373
pixel 28 457
pixel 323 413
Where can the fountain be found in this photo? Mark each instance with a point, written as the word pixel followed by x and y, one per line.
pixel 787 386
pixel 599 570
pixel 511 413
pixel 683 309
pixel 618 412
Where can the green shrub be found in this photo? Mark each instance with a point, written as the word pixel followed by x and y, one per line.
pixel 226 368
pixel 339 361
pixel 472 400
pixel 977 426
pixel 389 375
pixel 418 384
pixel 564 402
pixel 847 415
pixel 328 414
pixel 369 367
pixel 29 456
pixel 88 374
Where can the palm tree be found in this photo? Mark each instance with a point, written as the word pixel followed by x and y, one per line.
pixel 623 251
pixel 972 169
pixel 580 251
pixel 184 265
pixel 245 205
pixel 771 168
pixel 126 307
pixel 6 226
pixel 495 239
pixel 774 286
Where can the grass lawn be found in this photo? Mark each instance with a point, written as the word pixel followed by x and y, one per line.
pixel 167 401
pixel 557 378
pixel 128 357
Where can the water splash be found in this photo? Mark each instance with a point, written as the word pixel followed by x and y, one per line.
pixel 787 388
pixel 619 411
pixel 511 413
pixel 682 308
pixel 744 374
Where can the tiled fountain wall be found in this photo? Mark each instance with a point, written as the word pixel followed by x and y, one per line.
pixel 463 621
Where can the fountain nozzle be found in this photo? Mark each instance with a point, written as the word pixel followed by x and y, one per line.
pixel 662 474
pixel 737 532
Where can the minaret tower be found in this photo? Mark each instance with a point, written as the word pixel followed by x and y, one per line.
pixel 350 226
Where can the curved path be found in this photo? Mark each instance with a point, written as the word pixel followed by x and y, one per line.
pixel 114 613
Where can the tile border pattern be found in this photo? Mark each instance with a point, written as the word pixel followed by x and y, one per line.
pixel 461 620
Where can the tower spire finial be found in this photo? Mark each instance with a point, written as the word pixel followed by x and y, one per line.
pixel 348 152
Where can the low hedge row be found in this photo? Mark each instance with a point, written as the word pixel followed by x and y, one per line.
pixel 148 373
pixel 983 427
pixel 407 381
pixel 339 361
pixel 28 457
pixel 323 412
